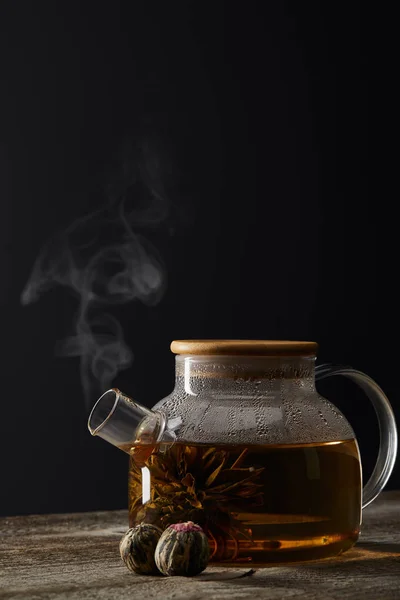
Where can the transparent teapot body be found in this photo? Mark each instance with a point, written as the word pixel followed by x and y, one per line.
pixel 261 461
pixel 250 451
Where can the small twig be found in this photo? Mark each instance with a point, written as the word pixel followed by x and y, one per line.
pixel 247 573
pixel 225 575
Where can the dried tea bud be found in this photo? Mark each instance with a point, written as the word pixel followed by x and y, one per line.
pixel 137 548
pixel 182 550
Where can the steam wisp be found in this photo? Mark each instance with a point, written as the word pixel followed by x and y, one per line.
pixel 105 260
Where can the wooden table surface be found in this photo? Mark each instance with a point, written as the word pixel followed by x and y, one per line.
pixel 76 556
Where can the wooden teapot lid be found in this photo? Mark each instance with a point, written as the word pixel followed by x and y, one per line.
pixel 244 347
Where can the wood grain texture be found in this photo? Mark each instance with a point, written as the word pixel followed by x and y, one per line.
pixel 244 347
pixel 75 556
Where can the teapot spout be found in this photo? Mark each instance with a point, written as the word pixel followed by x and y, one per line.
pixel 123 422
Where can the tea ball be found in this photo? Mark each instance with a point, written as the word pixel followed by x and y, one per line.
pixel 137 548
pixel 182 550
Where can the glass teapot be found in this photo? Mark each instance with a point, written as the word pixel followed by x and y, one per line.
pixel 247 448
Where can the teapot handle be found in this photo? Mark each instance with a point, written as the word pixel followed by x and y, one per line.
pixel 387 426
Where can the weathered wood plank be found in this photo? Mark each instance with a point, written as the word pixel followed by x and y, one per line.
pixel 57 557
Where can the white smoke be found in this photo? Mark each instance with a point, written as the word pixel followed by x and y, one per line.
pixel 105 260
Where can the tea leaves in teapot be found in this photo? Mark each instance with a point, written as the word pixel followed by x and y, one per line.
pixel 194 483
pixel 254 502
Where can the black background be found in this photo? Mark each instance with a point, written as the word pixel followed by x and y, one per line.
pixel 263 114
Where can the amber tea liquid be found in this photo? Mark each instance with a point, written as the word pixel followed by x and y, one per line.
pixel 256 503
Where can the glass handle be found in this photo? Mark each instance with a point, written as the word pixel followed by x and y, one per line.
pixel 387 426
